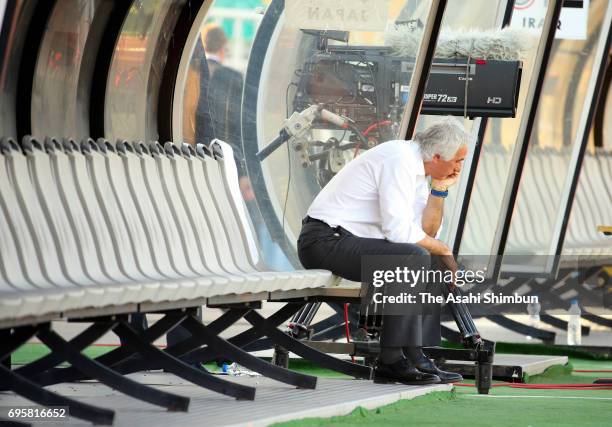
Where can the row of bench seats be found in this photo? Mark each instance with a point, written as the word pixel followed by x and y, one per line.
pixel 93 225
pixel 538 202
pixel 94 231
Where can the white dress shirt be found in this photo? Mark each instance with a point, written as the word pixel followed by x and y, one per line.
pixel 381 194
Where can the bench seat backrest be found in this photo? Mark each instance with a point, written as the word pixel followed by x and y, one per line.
pixel 96 224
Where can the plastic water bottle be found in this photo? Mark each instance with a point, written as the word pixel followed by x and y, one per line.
pixel 574 330
pixel 237 370
pixel 533 308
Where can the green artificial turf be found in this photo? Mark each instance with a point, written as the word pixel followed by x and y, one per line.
pixel 32 351
pixel 29 352
pixel 503 406
pixel 466 409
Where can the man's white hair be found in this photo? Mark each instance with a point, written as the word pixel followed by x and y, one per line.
pixel 444 138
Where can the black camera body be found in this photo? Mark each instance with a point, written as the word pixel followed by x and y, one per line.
pixel 492 88
pixel 371 84
pixel 363 83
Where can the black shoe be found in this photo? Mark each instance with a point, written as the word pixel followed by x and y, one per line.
pixel 424 364
pixel 402 372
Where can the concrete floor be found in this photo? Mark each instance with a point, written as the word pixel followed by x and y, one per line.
pixel 274 402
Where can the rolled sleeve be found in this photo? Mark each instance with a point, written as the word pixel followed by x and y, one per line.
pixel 397 193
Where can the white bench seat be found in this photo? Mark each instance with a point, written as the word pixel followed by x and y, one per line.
pixel 95 225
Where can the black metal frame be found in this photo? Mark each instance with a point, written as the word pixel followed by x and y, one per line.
pixel 244 339
pixel 51 360
pixel 110 359
pixel 235 353
pixel 176 47
pixel 265 327
pixel 137 353
pixel 598 126
pixel 430 41
pixel 62 350
pixel 103 64
pixel 27 67
pixel 35 393
pixel 169 363
pixel 104 375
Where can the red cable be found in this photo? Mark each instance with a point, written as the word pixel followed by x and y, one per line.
pixel 346 327
pixel 375 126
pixel 547 386
pixel 367 131
pixel 592 370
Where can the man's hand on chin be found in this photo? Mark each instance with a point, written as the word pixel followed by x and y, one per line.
pixel 449 181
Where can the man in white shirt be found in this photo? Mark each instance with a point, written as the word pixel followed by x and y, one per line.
pixel 381 204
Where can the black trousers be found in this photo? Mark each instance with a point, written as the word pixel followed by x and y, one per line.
pixel 337 250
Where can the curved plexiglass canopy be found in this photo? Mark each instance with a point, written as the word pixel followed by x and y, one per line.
pixel 237 70
pixel 279 68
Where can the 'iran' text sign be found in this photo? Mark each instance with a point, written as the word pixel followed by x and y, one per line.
pixel 572 25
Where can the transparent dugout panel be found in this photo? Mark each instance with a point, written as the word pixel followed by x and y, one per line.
pixel 65 66
pixel 298 57
pixel 499 142
pixel 542 195
pixel 15 23
pixel 459 18
pixel 360 74
pixel 136 71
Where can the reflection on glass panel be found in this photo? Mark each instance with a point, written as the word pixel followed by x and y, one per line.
pixel 14 32
pixel 212 93
pixel 362 74
pixel 547 164
pixel 351 68
pixel 132 90
pixel 459 17
pixel 493 169
pixel 592 207
pixel 62 80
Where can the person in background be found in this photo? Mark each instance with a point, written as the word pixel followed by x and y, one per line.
pixel 219 114
pixel 220 101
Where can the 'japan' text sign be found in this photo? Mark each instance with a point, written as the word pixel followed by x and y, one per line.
pixel 340 15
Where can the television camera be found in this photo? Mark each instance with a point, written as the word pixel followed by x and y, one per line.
pixel 365 89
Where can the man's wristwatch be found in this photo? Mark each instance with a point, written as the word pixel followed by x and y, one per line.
pixel 439 191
